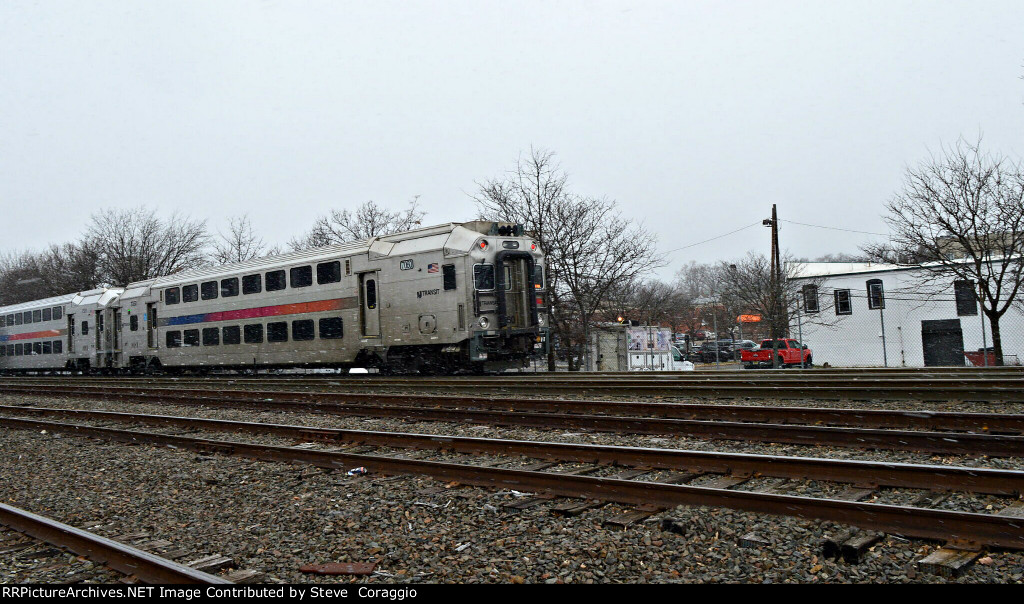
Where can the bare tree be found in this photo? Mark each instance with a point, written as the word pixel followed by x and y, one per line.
pixel 136 244
pixel 589 246
pixel 240 243
pixel 366 221
pixel 962 214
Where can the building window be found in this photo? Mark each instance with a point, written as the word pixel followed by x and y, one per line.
pixel 275 281
pixel 229 287
pixel 232 335
pixel 277 332
pixel 328 272
pixel 876 296
pixel 483 276
pixel 253 333
pixel 173 339
pixel 302 330
pixel 301 276
pixel 448 276
pixel 966 298
pixel 208 290
pixel 331 328
pixel 172 295
pixel 843 305
pixel 252 284
pixel 190 293
pixel 810 298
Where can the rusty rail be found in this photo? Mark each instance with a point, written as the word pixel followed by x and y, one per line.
pixel 977 480
pixel 956 443
pixel 118 556
pixel 983 529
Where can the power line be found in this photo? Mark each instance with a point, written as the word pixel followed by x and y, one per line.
pixel 713 238
pixel 818 226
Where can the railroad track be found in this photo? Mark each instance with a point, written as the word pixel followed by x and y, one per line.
pixel 992 530
pixel 126 559
pixel 933 432
pixel 983 386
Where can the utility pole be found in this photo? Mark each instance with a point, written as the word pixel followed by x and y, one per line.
pixel 775 288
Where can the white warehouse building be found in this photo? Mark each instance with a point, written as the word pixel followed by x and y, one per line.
pixel 925 321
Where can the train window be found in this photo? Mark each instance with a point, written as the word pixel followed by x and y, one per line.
pixel 10 350
pixel 17 319
pixel 190 293
pixel 277 332
pixel 252 284
pixel 37 348
pixel 448 276
pixel 10 320
pixel 58 312
pixel 275 281
pixel 47 314
pixel 18 350
pixel 58 347
pixel 37 316
pixel 483 275
pixel 348 266
pixel 173 339
pixel 47 347
pixel 538 277
pixel 3 351
pixel 371 294
pixel 211 336
pixel 229 287
pixel 301 276
pixel 172 295
pixel 27 315
pixel 133 322
pixel 191 337
pixel 253 333
pixel 328 272
pixel 208 290
pixel 508 277
pixel 302 331
pixel 85 328
pixel 331 328
pixel 3 321
pixel 232 334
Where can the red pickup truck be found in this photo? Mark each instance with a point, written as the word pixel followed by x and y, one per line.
pixel 788 351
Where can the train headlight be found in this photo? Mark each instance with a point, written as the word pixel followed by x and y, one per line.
pixel 484 323
pixel 540 319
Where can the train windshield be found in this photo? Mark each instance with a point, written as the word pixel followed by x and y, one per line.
pixel 483 275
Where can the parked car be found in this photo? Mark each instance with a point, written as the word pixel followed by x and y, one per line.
pixel 742 345
pixel 788 351
pixel 707 350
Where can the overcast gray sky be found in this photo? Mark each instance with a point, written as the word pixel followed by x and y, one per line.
pixel 694 116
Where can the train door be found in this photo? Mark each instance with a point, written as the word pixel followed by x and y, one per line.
pixel 71 334
pixel 151 338
pixel 370 307
pixel 517 305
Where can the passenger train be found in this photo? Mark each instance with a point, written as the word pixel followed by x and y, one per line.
pixel 449 298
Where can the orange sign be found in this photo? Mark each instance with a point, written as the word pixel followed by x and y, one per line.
pixel 749 318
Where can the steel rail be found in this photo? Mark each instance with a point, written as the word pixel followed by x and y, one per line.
pixel 118 556
pixel 983 529
pixel 852 417
pixel 955 443
pixel 954 478
pixel 822 390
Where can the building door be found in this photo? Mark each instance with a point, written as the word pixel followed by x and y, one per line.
pixel 370 308
pixel 943 343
